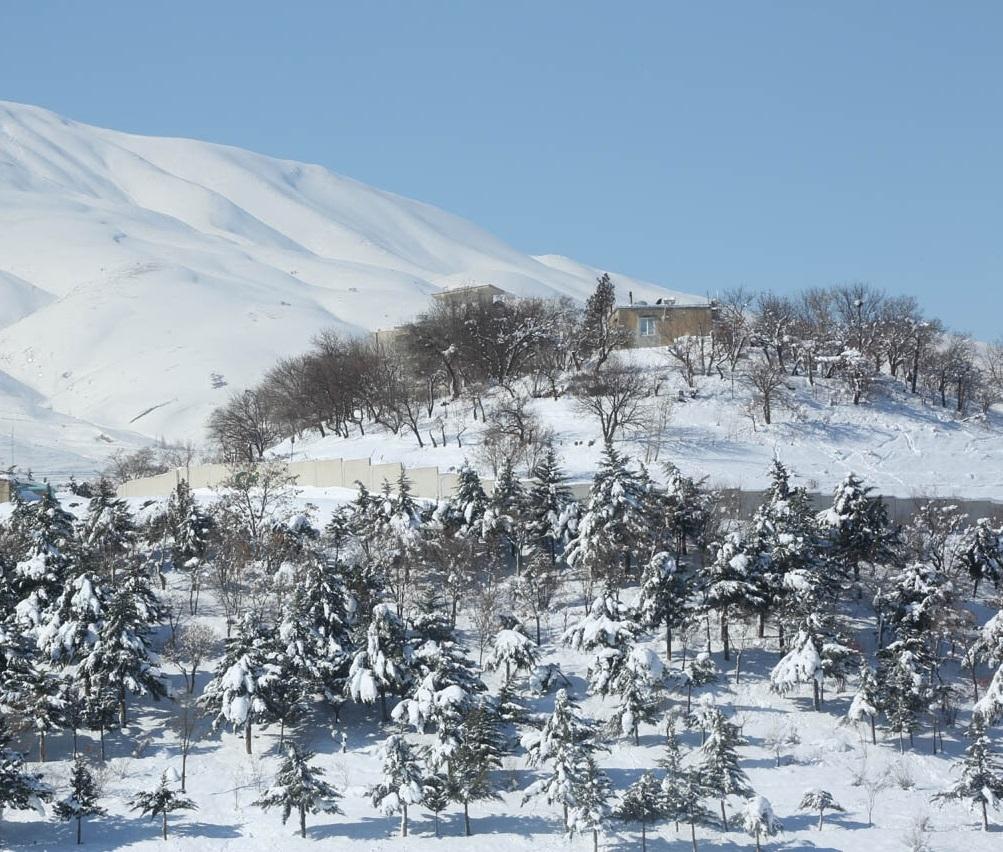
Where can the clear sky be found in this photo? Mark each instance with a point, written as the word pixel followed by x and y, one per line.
pixel 699 145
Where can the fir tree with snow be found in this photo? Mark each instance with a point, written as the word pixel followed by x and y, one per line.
pixel 161 801
pixel 642 802
pixel 478 753
pixel 435 797
pixel 866 702
pixel 82 802
pixel 560 746
pixel 733 585
pixel 987 647
pixel 718 762
pixel 758 819
pixel 505 517
pixel 383 666
pixel 856 527
pixel 238 693
pixel 546 504
pixel 70 628
pixel 684 510
pixel 820 801
pixel 981 783
pixel 121 656
pixel 990 705
pixel 108 528
pixel 903 670
pixel 802 664
pixel 614 526
pixel 983 555
pixel 42 703
pixel 403 780
pixel 637 686
pixel 512 651
pixel 591 810
pixel 683 795
pixel 189 525
pixel 665 594
pixel 20 790
pixel 300 787
pixel 467 505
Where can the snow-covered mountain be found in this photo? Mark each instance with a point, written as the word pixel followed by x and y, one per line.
pixel 137 271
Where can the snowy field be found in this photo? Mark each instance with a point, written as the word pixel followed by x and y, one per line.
pixel 819 750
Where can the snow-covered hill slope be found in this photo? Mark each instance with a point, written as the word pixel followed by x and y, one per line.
pixel 135 271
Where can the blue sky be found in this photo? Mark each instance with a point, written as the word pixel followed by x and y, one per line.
pixel 700 145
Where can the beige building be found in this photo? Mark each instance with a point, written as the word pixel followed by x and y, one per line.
pixel 473 294
pixel 660 323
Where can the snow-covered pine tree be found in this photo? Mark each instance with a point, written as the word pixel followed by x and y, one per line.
pixel 759 821
pixel 478 754
pixel 734 585
pixel 642 802
pixel 913 601
pixel 802 664
pixel 987 647
pixel 903 672
pixel 161 801
pixel 990 705
pixel 383 666
pixel 512 651
pixel 467 505
pixel 505 518
pixel 403 780
pixel 46 548
pixel 683 794
pixel 981 784
pixel 866 702
pixel 820 801
pixel 238 694
pixel 637 684
pixel 614 526
pixel 20 790
pixel 121 655
pixel 83 799
pixel 535 588
pixel 684 509
pixel 856 527
pixel 665 595
pixel 983 554
pixel 300 787
pixel 108 528
pixel 546 504
pixel 561 745
pixel 435 797
pixel 445 688
pixel 397 547
pixel 190 527
pixel 71 626
pixel 591 810
pixel 42 703
pixel 718 762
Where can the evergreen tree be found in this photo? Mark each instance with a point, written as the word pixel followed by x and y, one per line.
pixel 161 801
pixel 468 504
pixel 684 510
pixel 856 527
pixel 614 526
pixel 505 517
pixel 600 333
pixel 903 669
pixel 71 627
pixel 802 664
pixel 513 651
pixel 642 802
pixel 683 794
pixel 758 819
pixel 190 527
pixel 435 797
pixel 665 594
pixel 83 799
pixel 20 790
pixel 46 546
pixel 821 801
pixel 987 647
pixel 382 667
pixel 981 783
pixel 546 505
pixel 42 703
pixel 561 745
pixel 718 762
pixel 403 780
pixel 108 528
pixel 983 555
pixel 239 692
pixel 469 767
pixel 733 585
pixel 866 701
pixel 990 705
pixel 326 608
pixel 637 685
pixel 121 656
pixel 300 787
pixel 590 811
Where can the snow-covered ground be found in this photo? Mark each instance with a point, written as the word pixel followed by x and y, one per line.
pixel 224 781
pixel 899 444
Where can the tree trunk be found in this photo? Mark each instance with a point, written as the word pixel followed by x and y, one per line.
pixel 466 819
pixel 725 638
pixel 724 817
pixel 821 814
pixel 80 819
pixel 302 821
pixel 758 847
pixel 815 695
pixel 693 834
pixel 435 822
pixel 985 816
pixel 874 734
pixel 404 819
pixel 165 825
pixel 184 769
pixel 41 746
pixel 595 840
pixel 247 736
pixel 644 838
pixel 101 729
pixel 668 642
pixel 121 706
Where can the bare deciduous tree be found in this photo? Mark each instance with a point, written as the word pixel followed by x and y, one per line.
pixel 613 393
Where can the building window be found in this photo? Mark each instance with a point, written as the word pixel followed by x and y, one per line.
pixel 646 326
